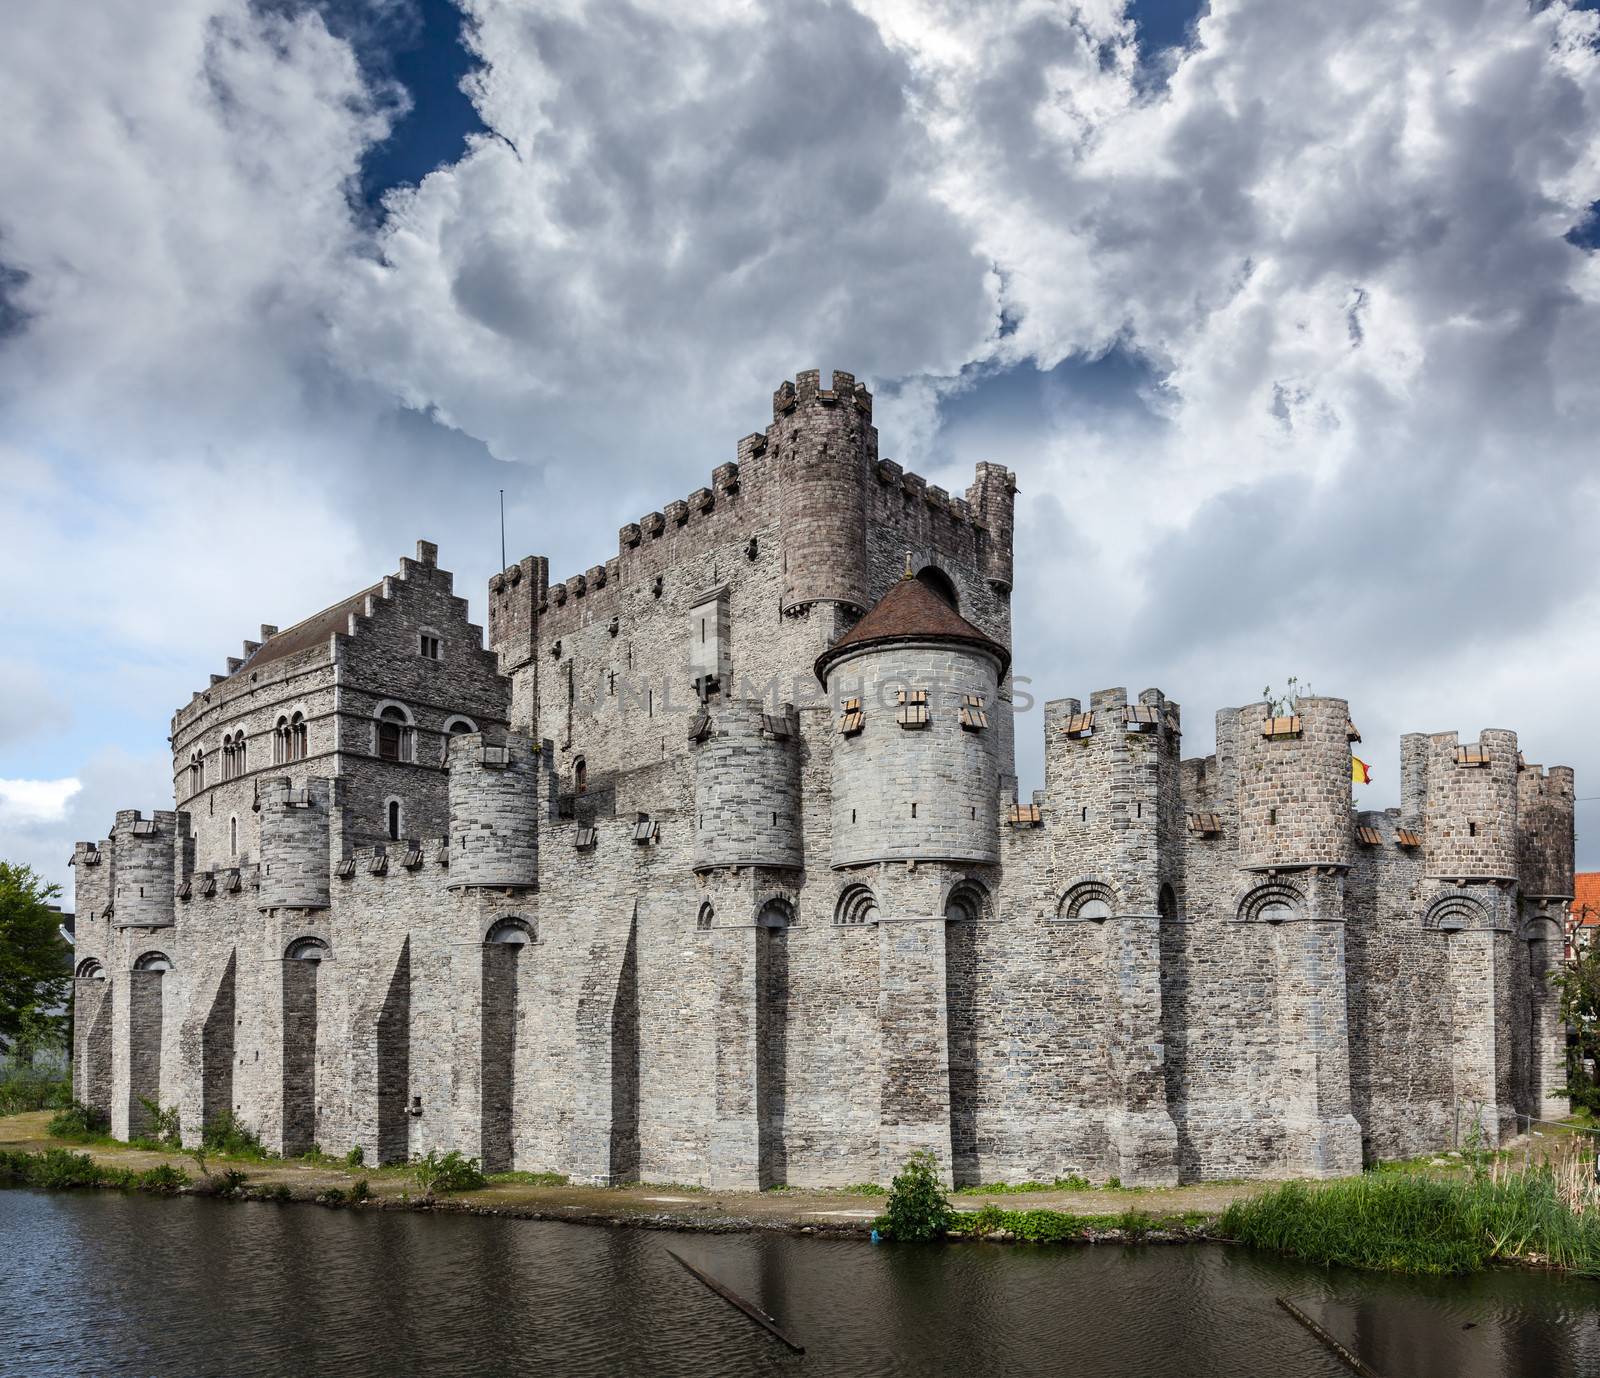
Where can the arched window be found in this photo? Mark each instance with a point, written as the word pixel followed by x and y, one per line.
pixel 153 961
pixel 580 776
pixel 197 771
pixel 228 770
pixel 393 819
pixel 459 725
pixel 1090 900
pixel 280 742
pixel 308 950
pixel 90 969
pixel 512 932
pixel 775 913
pixel 1273 902
pixel 297 737
pixel 967 902
pixel 394 734
pixel 233 835
pixel 241 753
pixel 935 579
pixel 706 918
pixel 1167 904
pixel 857 905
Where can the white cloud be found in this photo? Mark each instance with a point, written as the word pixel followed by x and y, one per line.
pixel 36 801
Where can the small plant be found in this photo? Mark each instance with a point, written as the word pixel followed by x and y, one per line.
pixel 78 1123
pixel 199 1156
pixel 1134 1224
pixel 231 1180
pixel 918 1208
pixel 333 1196
pixel 356 1157
pixel 226 1134
pixel 1283 704
pixel 279 1191
pixel 360 1191
pixel 439 1173
pixel 1113 1184
pixel 163 1178
pixel 164 1129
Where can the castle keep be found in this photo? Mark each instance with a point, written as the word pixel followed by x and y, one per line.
pixel 712 869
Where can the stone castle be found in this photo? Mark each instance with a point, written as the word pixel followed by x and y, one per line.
pixel 712 870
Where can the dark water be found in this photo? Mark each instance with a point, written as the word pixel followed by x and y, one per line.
pixel 101 1283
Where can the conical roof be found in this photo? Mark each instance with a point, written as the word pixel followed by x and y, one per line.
pixel 910 612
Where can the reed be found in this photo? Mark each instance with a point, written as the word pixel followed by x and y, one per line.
pixel 1546 1213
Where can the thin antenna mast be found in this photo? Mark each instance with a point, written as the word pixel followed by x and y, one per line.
pixel 502 528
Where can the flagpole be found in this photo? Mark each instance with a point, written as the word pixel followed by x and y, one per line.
pixel 502 528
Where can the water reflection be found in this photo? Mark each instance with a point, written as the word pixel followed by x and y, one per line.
pixel 125 1285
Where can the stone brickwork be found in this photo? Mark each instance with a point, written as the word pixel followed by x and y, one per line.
pixel 637 894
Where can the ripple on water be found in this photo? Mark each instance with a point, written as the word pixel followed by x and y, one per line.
pixel 109 1284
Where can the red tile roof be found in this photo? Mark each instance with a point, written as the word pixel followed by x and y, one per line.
pixel 1586 898
pixel 910 612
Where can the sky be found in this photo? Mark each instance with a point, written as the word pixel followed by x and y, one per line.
pixel 1286 317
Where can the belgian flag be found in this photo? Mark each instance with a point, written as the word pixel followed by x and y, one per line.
pixel 1360 772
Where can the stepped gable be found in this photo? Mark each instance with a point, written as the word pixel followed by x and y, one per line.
pixel 910 612
pixel 312 632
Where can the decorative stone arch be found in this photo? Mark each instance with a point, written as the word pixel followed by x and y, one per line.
pixel 1541 927
pixel 1087 899
pixel 965 900
pixel 1273 901
pixel 706 919
pixel 857 905
pixel 394 730
pixel 931 577
pixel 152 961
pixel 1450 913
pixel 512 930
pixel 307 949
pixel 90 969
pixel 776 911
pixel 458 723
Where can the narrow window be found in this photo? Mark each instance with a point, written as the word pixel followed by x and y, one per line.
pixel 580 775
pixel 297 737
pixel 1472 829
pixel 1084 815
pixel 394 820
pixel 392 734
pixel 233 837
pixel 429 646
pixel 852 815
pixel 913 810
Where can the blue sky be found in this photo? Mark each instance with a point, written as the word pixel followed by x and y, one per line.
pixel 1284 315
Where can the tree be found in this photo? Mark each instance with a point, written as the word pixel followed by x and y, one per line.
pixel 34 961
pixel 1579 984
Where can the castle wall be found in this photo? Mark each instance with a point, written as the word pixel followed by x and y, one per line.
pixel 727 952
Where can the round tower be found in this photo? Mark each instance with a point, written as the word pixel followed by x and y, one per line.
pixel 294 844
pixel 494 801
pixel 747 787
pixel 1294 784
pixel 1470 818
pixel 143 851
pixel 1544 824
pixel 916 756
pixel 825 446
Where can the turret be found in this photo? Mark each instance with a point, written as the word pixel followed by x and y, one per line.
pixel 494 805
pixel 294 844
pixel 1470 808
pixel 993 500
pixel 1112 791
pixel 746 786
pixel 825 447
pixel 144 851
pixel 1544 827
pixel 916 757
pixel 516 595
pixel 1294 784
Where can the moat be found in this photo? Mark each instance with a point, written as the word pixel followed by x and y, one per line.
pixel 113 1284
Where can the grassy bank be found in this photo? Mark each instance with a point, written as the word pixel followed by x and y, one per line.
pixel 1395 1222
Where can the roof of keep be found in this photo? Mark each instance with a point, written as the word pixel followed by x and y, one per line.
pixel 910 612
pixel 313 631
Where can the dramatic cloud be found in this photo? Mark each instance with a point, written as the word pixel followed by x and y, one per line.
pixel 1284 330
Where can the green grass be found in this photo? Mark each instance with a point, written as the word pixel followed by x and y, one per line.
pixel 1072 1182
pixel 60 1169
pixel 1400 1223
pixel 1061 1227
pixel 529 1179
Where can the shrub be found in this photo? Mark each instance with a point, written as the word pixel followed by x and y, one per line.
pixel 24 1090
pixel 165 1131
pixel 227 1134
pixel 60 1168
pixel 360 1191
pixel 78 1123
pixel 163 1178
pixel 230 1180
pixel 439 1173
pixel 333 1196
pixel 918 1208
pixel 355 1157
